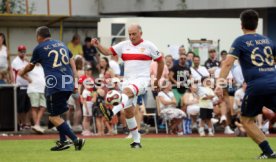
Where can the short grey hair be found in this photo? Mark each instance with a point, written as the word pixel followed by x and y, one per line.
pixel 43 31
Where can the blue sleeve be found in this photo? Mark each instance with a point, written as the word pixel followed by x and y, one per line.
pixel 70 55
pixel 35 57
pixel 273 48
pixel 235 49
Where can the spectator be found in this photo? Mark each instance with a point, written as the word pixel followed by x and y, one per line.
pixel 105 68
pixel 206 95
pixel 190 57
pixel 168 110
pixel 114 65
pixel 169 61
pixel 181 51
pixel 223 55
pixel 75 46
pixel 90 54
pixel 212 63
pixel 23 100
pixel 97 102
pixel 197 70
pixel 74 101
pixel 5 70
pixel 191 101
pixel 35 92
pixel 179 76
pixel 87 98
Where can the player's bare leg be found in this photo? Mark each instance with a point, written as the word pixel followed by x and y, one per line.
pixel 256 134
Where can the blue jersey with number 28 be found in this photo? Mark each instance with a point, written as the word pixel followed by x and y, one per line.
pixel 256 55
pixel 54 57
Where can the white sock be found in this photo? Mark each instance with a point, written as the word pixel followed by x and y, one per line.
pixel 119 107
pixel 132 126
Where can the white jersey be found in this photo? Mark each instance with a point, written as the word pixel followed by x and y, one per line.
pixel 137 58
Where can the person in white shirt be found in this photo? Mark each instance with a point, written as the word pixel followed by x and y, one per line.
pixel 87 97
pixel 23 100
pixel 137 55
pixel 206 95
pixel 197 70
pixel 114 65
pixel 5 70
pixel 35 92
pixel 191 101
pixel 168 110
pixel 239 95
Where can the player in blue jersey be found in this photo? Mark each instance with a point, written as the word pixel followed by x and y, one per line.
pixel 256 55
pixel 60 71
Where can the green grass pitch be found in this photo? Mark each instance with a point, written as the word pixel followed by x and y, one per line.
pixel 183 149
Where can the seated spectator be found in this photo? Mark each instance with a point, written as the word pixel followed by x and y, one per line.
pixel 75 46
pixel 197 70
pixel 168 108
pixel 191 101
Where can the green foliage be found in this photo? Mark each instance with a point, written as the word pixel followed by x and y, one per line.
pixel 154 150
pixel 15 6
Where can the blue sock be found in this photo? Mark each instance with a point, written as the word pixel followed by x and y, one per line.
pixel 62 137
pixel 266 148
pixel 64 129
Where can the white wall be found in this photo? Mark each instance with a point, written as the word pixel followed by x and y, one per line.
pixel 26 36
pixel 164 31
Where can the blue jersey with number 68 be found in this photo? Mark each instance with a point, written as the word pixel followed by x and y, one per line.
pixel 256 55
pixel 54 57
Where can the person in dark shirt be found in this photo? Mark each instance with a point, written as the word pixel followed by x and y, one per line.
pixel 212 63
pixel 90 54
pixel 179 75
pixel 256 55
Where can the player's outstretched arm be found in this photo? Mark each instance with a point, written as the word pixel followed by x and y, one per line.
pixel 105 51
pixel 27 69
pixel 226 66
pixel 225 69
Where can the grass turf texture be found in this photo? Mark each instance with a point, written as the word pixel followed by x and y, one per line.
pixel 118 150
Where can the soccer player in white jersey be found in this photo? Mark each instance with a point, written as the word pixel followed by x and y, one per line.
pixel 137 55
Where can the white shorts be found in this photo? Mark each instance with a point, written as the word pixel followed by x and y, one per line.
pixel 193 110
pixel 84 112
pixel 138 86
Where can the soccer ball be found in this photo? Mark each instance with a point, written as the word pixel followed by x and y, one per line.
pixel 113 97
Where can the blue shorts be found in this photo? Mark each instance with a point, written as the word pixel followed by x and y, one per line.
pixel 252 105
pixel 57 102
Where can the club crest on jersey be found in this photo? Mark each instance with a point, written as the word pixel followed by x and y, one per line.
pixel 142 49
